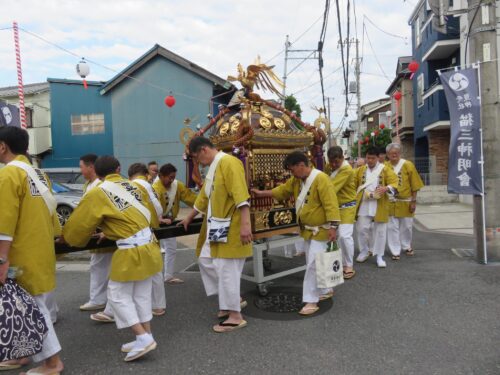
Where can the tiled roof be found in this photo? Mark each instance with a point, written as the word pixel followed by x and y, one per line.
pixel 32 88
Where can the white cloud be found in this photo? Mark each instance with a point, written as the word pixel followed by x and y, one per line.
pixel 215 34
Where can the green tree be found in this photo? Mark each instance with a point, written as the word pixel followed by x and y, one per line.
pixel 291 104
pixel 381 140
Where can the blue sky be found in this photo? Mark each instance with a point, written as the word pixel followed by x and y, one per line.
pixel 214 34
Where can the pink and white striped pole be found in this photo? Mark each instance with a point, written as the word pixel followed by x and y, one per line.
pixel 20 87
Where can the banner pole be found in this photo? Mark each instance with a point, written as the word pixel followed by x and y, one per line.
pixel 20 87
pixel 481 163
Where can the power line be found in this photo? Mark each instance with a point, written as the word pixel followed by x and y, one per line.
pixel 385 32
pixel 320 48
pixel 348 41
pixel 296 40
pixel 376 58
pixel 166 90
pixel 315 83
pixel 341 47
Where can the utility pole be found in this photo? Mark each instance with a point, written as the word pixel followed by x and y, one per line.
pixel 287 45
pixel 484 48
pixel 358 93
pixel 313 55
pixel 330 127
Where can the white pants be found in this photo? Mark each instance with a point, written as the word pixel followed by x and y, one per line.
pixel 310 292
pixel 399 234
pixel 51 304
pixel 158 291
pixel 130 301
pixel 169 247
pixel 222 276
pixel 51 344
pixel 346 243
pixel 100 264
pixel 371 238
pixel 364 233
pixel 296 248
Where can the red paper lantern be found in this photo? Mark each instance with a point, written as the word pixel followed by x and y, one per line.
pixel 170 101
pixel 413 66
pixel 397 95
pixel 382 126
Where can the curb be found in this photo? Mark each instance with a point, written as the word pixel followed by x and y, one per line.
pixel 422 228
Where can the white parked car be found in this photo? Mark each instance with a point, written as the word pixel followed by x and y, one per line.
pixel 70 177
pixel 67 200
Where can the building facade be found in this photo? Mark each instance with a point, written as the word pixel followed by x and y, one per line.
pixel 402 120
pixel 38 120
pixel 144 128
pixel 81 122
pixel 374 114
pixel 434 47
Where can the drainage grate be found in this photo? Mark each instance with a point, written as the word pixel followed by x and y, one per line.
pixel 279 302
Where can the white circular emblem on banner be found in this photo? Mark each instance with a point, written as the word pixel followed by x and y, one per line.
pixel 458 82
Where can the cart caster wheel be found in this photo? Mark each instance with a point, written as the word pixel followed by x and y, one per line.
pixel 263 290
pixel 267 264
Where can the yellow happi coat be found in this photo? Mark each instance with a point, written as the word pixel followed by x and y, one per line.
pixel 343 184
pixel 386 178
pixel 146 200
pixel 229 190
pixel 25 217
pixel 104 249
pixel 117 220
pixel 409 182
pixel 320 207
pixel 183 194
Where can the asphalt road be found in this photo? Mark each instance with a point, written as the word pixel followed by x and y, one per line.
pixel 434 313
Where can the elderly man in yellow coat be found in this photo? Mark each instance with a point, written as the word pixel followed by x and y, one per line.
pixel 115 206
pixel 225 239
pixel 342 176
pixel 28 225
pixel 374 182
pixel 318 216
pixel 171 193
pixel 402 206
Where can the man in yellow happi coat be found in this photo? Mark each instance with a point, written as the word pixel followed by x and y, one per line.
pixel 171 193
pixel 225 239
pixel 100 260
pixel 138 174
pixel 115 206
pixel 373 181
pixel 318 216
pixel 402 206
pixel 28 225
pixel 342 176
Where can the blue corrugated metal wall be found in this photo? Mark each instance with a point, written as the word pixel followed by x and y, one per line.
pixel 68 98
pixel 144 128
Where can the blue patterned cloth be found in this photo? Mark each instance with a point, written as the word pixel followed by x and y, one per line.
pixel 22 325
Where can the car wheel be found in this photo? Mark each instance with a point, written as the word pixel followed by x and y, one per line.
pixel 63 213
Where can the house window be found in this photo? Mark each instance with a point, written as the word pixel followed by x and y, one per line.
pixel 92 123
pixel 420 90
pixel 383 119
pixel 29 117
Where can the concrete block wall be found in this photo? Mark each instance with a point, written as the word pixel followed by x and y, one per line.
pixel 433 194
